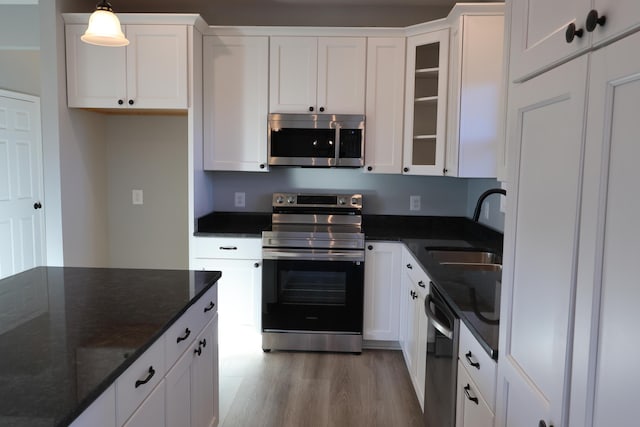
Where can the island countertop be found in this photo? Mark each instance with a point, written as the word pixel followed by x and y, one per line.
pixel 67 333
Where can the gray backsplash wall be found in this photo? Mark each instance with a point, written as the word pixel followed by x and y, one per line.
pixel 491 206
pixel 383 194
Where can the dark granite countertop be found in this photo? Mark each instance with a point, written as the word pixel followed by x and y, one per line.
pixel 59 327
pixel 473 295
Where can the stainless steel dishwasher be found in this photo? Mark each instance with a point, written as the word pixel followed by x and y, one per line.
pixel 442 368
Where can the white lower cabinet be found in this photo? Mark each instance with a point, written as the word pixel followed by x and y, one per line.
pixel 101 413
pixel 382 291
pixel 192 384
pixel 413 321
pixel 472 410
pixel 240 287
pixel 475 402
pixel 151 411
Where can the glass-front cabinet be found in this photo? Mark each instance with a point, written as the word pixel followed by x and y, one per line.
pixel 426 103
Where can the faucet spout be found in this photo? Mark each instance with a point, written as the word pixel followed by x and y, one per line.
pixel 476 212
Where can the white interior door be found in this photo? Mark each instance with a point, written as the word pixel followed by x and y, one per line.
pixel 21 229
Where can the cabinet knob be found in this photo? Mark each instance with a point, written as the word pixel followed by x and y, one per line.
pixel 256 265
pixel 444 171
pixel 369 168
pixel 262 166
pixel 37 205
pixel 593 20
pixel 131 102
pixel 572 32
pixel 322 109
pixel 405 170
pixel 370 247
pixel 310 108
pixel 120 102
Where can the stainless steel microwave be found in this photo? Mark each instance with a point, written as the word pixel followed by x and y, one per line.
pixel 316 140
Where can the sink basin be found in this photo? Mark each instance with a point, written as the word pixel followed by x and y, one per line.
pixel 468 260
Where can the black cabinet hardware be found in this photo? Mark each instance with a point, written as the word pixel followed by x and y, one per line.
pixel 256 264
pixel 421 284
pixel 593 20
pixel 198 351
pixel 369 168
pixel 37 205
pixel 228 248
pixel 370 247
pixel 262 166
pixel 187 332
pixel 409 266
pixel 120 102
pixel 203 342
pixel 471 362
pixel 322 109
pixel 209 307
pixel 467 390
pixel 572 32
pixel 310 108
pixel 150 375
pixel 131 102
pixel 406 169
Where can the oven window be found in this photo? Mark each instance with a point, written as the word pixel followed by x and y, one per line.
pixel 293 142
pixel 313 287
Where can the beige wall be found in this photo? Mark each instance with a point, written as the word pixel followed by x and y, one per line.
pixel 147 153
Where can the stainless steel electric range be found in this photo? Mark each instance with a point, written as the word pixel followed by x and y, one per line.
pixel 313 273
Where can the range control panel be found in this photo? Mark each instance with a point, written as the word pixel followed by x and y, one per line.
pixel 351 201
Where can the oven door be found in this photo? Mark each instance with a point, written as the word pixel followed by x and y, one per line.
pixel 312 290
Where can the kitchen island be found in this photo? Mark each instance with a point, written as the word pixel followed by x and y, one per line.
pixel 68 335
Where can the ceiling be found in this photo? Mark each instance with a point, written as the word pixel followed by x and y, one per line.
pixel 391 13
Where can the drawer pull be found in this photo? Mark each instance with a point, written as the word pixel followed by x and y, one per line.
pixel 421 284
pixel 467 392
pixel 152 372
pixel 228 248
pixel 209 307
pixel 409 266
pixel 470 360
pixel 203 342
pixel 187 332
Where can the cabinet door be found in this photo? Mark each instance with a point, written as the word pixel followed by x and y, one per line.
pixel 621 17
pixel 471 408
pixel 382 291
pixel 426 103
pixel 293 74
pixel 235 83
pixel 178 391
pixel 384 106
pixel 239 294
pixel 341 75
pixel 538 34
pixel 204 378
pixel 539 279
pixel 151 412
pixel 157 66
pixel 101 413
pixel 605 383
pixel 96 75
pixel 475 102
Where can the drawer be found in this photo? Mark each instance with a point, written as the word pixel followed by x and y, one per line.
pixel 480 366
pixel 418 276
pixel 471 407
pixel 227 247
pixel 137 382
pixel 206 307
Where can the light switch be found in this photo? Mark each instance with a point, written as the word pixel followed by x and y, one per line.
pixel 136 197
pixel 414 203
pixel 239 200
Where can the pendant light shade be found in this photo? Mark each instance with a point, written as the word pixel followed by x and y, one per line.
pixel 104 27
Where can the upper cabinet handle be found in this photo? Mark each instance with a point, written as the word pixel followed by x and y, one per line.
pixel 593 20
pixel 572 32
pixel 228 248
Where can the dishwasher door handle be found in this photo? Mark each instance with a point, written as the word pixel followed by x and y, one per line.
pixel 444 330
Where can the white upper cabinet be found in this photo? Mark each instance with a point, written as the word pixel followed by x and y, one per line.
pixel 385 104
pixel 552 31
pixel 150 73
pixel 475 97
pixel 235 102
pixel 317 74
pixel 426 103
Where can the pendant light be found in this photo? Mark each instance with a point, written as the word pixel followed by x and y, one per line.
pixel 104 27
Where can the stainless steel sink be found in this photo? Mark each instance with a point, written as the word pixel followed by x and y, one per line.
pixel 468 260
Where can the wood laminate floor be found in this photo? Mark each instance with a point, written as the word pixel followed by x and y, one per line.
pixel 307 389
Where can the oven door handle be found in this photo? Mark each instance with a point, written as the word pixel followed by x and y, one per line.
pixel 312 255
pixel 444 330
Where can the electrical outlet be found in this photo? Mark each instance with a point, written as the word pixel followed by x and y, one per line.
pixel 239 200
pixel 136 197
pixel 414 203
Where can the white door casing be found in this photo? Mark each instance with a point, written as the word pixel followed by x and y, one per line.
pixel 21 218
